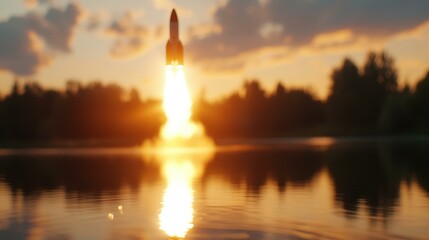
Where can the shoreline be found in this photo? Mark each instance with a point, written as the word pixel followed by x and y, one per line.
pixel 221 142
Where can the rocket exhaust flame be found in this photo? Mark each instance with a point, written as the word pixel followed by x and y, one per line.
pixel 180 132
pixel 177 104
pixel 182 148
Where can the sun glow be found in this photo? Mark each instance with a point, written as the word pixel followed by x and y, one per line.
pixel 182 150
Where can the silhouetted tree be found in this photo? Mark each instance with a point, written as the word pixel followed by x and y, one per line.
pixel 255 108
pixel 344 102
pixel 356 99
pixel 94 111
pixel 396 115
pixel 380 81
pixel 22 112
pixel 257 114
pixel 294 109
pixel 420 103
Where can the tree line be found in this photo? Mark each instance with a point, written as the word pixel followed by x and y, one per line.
pixel 361 101
pixel 364 100
pixel 95 111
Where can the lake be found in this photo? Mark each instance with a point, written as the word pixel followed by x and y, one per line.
pixel 266 189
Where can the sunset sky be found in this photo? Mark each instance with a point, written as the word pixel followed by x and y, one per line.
pixel 297 42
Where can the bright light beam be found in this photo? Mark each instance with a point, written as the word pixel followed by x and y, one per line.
pixel 177 104
pixel 182 147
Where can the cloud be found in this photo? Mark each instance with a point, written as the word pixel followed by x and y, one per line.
pixel 251 25
pixel 239 22
pixel 131 37
pixel 202 30
pixel 96 20
pixel 93 22
pixel 33 3
pixel 336 38
pixel 59 26
pixel 160 32
pixel 25 39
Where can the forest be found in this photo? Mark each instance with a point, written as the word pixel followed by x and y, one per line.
pixel 362 101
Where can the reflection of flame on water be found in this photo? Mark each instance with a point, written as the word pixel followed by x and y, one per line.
pixel 179 169
pixel 182 150
pixel 176 215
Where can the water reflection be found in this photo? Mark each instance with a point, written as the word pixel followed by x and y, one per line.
pixel 295 167
pixel 371 175
pixel 177 212
pixel 365 190
pixel 180 170
pixel 81 177
pixel 361 177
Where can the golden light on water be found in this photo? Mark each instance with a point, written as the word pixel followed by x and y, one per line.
pixel 180 170
pixel 182 150
pixel 176 217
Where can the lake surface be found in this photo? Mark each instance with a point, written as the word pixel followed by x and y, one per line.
pixel 270 189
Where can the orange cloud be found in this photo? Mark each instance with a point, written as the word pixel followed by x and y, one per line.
pixel 333 38
pixel 33 3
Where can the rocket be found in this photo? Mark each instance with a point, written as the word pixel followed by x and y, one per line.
pixel 174 48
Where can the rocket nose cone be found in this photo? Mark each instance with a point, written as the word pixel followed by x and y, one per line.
pixel 173 17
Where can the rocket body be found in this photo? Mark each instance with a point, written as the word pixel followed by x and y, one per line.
pixel 174 48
